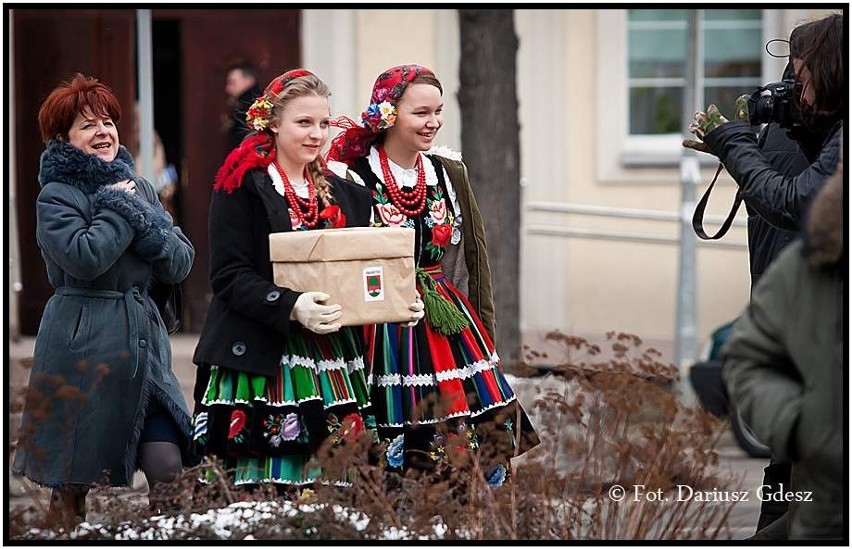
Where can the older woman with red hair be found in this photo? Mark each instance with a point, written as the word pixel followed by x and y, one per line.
pixel 102 399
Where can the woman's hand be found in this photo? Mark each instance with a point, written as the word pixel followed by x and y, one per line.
pixel 128 186
pixel 417 312
pixel 705 122
pixel 320 319
pixel 702 124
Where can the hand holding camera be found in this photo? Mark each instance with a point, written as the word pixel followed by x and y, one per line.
pixel 703 122
pixel 770 103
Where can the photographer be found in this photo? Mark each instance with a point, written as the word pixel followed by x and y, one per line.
pixel 816 106
pixel 773 182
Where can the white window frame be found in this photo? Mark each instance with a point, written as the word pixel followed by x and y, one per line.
pixel 618 153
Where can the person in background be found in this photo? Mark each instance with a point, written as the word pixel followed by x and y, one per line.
pixel 242 88
pixel 102 399
pixel 164 174
pixel 784 367
pixel 818 59
pixel 780 194
pixel 277 375
pixel 440 381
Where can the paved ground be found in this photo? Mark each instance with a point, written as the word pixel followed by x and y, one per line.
pixel 732 458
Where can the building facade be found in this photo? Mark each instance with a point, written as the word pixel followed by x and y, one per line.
pixel 601 177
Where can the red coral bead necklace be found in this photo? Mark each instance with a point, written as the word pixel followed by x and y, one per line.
pixel 305 210
pixel 410 203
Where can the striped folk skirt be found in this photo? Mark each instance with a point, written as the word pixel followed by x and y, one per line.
pixel 430 390
pixel 266 429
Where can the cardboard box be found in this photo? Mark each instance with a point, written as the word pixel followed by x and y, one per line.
pixel 369 271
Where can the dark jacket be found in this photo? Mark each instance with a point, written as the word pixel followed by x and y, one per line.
pixel 765 241
pixel 784 366
pixel 238 128
pixel 102 353
pixel 479 288
pixel 249 315
pixel 778 198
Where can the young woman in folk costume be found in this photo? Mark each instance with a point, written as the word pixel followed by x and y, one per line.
pixel 277 375
pixel 441 378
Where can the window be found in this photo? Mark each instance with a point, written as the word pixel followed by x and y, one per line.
pixel 657 45
pixel 641 91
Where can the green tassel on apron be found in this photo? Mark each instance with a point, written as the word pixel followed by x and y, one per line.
pixel 442 315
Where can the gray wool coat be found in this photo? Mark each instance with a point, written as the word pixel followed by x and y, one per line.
pixel 102 354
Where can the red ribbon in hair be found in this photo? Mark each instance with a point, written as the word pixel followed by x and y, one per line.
pixel 256 151
pixel 280 82
pixel 355 140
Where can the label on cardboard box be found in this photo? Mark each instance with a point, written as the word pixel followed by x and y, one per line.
pixel 373 290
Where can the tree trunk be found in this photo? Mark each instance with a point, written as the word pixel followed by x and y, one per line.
pixel 490 145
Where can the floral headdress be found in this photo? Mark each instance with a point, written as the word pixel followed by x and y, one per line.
pixel 379 115
pixel 256 150
pixel 259 114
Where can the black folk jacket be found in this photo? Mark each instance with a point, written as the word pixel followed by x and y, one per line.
pixel 249 314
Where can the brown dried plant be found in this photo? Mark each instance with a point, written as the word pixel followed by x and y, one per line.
pixel 607 418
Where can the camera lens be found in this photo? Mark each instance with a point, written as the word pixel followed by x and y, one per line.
pixel 760 110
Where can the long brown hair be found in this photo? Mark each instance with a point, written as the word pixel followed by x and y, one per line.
pixel 819 45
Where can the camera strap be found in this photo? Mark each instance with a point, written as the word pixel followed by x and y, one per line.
pixel 698 216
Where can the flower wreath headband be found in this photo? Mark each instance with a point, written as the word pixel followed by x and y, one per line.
pixel 379 115
pixel 256 150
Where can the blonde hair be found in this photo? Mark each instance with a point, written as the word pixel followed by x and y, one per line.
pixel 306 86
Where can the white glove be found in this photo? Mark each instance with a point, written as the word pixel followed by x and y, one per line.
pixel 317 318
pixel 417 309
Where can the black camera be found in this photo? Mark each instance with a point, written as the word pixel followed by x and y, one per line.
pixel 773 102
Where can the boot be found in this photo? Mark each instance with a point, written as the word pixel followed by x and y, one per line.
pixel 67 506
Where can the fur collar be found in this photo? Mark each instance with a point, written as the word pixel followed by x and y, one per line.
pixel 62 162
pixel 824 234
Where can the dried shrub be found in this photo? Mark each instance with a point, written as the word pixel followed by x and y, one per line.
pixel 607 419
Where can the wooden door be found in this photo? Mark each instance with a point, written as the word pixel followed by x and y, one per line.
pixel 210 41
pixel 51 45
